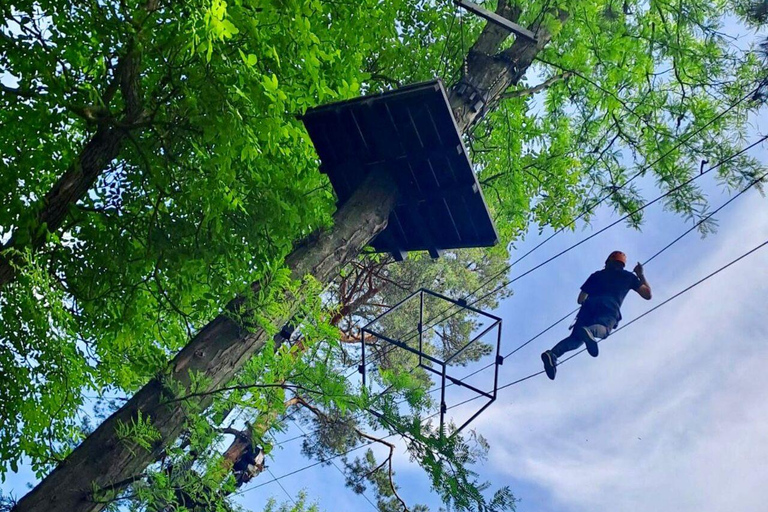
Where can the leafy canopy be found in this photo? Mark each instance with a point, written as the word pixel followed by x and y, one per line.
pixel 214 185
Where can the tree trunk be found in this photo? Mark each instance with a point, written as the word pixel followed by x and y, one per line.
pixel 222 347
pixel 217 352
pixel 489 73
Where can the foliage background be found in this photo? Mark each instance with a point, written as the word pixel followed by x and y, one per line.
pixel 211 191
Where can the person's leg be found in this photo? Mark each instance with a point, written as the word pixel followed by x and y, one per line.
pixel 598 330
pixel 549 357
pixel 584 332
pixel 591 333
pixel 572 342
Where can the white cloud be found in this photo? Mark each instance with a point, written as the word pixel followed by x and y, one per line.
pixel 672 415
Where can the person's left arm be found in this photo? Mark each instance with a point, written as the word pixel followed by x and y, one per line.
pixel 644 290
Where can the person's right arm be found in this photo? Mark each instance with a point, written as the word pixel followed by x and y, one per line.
pixel 586 289
pixel 645 289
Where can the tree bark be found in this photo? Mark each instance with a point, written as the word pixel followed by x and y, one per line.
pixel 489 73
pixel 222 347
pixel 103 147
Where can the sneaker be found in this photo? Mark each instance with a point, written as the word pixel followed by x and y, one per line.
pixel 590 342
pixel 550 364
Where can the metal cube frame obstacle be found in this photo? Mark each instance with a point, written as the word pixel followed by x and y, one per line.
pixel 432 363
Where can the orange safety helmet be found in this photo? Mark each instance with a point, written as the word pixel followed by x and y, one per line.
pixel 617 256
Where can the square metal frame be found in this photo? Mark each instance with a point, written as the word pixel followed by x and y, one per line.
pixel 439 363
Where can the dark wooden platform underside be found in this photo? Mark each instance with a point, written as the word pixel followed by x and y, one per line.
pixel 411 134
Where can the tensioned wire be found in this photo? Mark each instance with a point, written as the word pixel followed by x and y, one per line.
pixel 443 63
pixel 654 256
pixel 605 198
pixel 411 334
pixel 678 294
pixel 338 469
pixel 648 260
pixel 569 314
pixel 663 249
pixel 512 383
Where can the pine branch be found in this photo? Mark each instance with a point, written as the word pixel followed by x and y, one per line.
pixel 365 435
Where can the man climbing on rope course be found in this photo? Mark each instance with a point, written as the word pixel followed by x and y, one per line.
pixel 600 298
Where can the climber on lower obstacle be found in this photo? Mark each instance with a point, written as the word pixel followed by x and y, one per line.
pixel 601 297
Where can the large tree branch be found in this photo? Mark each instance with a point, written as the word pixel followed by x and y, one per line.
pixel 353 305
pixel 103 147
pixel 488 76
pixel 242 387
pixel 388 461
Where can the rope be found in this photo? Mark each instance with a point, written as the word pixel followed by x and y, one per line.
pixel 591 236
pixel 527 377
pixel 443 62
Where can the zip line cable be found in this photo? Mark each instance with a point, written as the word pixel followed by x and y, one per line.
pixel 523 379
pixel 281 486
pixel 591 208
pixel 413 332
pixel 337 468
pixel 569 314
pixel 593 235
pixel 659 252
pixel 641 208
pixel 645 313
pixel 666 194
pixel 654 256
pixel 510 384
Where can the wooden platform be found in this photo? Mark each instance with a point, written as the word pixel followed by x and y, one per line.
pixel 411 133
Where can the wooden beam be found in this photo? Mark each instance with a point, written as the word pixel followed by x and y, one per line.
pixel 498 20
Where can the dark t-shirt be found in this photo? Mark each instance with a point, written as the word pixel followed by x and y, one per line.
pixel 606 290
